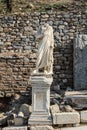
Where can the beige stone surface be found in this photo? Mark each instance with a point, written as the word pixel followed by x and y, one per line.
pixel 55 108
pixel 41 128
pixel 83 115
pixel 75 128
pixel 15 128
pixel 66 118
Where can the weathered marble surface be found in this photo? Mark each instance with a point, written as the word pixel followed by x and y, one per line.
pixel 66 118
pixel 45 49
pixel 80 62
pixel 40 99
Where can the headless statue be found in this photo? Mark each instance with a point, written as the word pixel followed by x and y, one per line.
pixel 44 62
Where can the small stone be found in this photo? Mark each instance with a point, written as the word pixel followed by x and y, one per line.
pixel 72 30
pixel 65 23
pixel 55 108
pixel 27 48
pixel 1 29
pixel 45 16
pixel 66 15
pixel 31 6
pixel 65 81
pixel 18 121
pixel 61 26
pixel 25 109
pixel 27 28
pixel 58 67
pixel 56 87
pixel 20 114
pixel 8 43
pixel 26 60
pixel 6 30
pixel 23 37
pixel 1 43
pixel 16 96
pixel 68 108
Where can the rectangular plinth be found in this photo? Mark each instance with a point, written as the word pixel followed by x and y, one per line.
pixel 40 100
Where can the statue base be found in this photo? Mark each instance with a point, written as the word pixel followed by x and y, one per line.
pixel 39 119
pixel 40 99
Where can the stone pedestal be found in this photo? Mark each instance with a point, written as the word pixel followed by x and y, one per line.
pixel 40 99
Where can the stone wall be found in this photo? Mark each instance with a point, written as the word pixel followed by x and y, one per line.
pixel 18 46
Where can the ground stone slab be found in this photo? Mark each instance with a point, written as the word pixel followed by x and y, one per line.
pixel 15 128
pixel 75 128
pixel 41 128
pixel 83 116
pixel 66 118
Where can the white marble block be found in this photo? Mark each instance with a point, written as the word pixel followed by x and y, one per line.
pixel 83 116
pixel 66 118
pixel 40 99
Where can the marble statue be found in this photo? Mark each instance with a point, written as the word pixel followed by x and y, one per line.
pixel 41 79
pixel 44 62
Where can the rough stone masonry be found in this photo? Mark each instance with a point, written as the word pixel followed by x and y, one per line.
pixel 18 46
